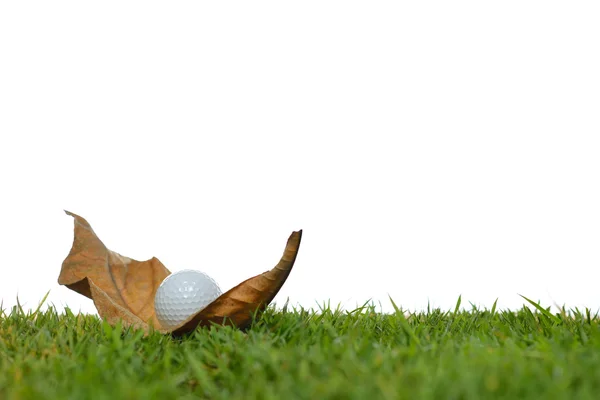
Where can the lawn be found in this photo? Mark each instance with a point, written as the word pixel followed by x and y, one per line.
pixel 306 354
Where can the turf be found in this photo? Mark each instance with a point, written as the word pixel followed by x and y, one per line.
pixel 304 354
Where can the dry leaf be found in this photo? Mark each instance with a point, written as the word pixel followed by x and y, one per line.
pixel 124 289
pixel 129 284
pixel 236 306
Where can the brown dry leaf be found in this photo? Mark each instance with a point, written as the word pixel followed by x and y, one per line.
pixel 129 284
pixel 236 306
pixel 124 289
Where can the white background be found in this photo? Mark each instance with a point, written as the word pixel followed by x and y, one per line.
pixel 426 149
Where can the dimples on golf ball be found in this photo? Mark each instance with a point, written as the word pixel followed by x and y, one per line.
pixel 182 294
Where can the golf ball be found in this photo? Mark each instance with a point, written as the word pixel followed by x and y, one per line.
pixel 183 294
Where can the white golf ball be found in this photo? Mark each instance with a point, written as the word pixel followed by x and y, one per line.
pixel 183 294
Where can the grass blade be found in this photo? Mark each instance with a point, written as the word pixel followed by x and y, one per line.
pixel 458 304
pixel 543 311
pixel 404 323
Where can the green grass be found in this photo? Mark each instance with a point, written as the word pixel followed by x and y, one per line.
pixel 300 354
